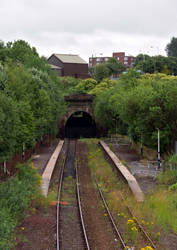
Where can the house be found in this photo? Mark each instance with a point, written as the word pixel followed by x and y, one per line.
pixel 119 56
pixel 69 65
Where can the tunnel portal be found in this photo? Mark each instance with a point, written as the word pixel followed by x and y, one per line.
pixel 80 124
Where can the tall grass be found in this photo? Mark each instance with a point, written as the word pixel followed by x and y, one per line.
pixel 103 172
pixel 15 197
pixel 159 209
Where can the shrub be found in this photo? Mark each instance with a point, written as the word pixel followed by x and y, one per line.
pixel 168 177
pixel 16 195
pixel 173 187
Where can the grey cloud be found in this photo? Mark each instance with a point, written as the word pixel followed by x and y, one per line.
pixel 128 16
pixel 79 25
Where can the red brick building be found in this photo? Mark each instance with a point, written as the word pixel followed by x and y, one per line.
pixel 69 65
pixel 120 56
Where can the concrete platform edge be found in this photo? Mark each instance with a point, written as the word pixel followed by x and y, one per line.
pixel 132 182
pixel 47 174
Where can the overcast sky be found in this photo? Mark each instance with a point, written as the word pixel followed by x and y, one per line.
pixel 90 27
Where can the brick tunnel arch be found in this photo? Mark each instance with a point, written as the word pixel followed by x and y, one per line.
pixel 80 124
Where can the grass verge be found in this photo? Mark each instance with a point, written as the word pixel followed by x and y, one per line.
pixel 16 195
pixel 157 213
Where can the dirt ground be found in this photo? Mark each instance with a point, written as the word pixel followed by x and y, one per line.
pixel 38 230
pixel 145 174
pixel 41 159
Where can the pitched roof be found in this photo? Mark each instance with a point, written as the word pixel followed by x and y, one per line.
pixel 66 58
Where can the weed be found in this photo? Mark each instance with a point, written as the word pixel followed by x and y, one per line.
pixel 16 195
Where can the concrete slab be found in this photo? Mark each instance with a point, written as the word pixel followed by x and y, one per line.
pixel 133 184
pixel 47 174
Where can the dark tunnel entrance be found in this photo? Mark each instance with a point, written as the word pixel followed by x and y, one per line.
pixel 80 124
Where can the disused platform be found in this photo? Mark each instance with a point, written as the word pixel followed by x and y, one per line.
pixel 133 184
pixel 47 174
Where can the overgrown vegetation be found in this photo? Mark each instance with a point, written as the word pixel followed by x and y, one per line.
pixel 136 105
pixel 31 98
pixel 16 195
pixel 159 206
pixel 157 213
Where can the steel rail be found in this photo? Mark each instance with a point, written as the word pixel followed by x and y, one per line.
pixel 111 217
pixel 59 197
pixel 80 209
pixel 139 224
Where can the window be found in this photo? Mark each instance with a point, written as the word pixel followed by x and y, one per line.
pixel 125 58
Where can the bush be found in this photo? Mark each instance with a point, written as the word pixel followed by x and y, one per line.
pixel 139 106
pixel 173 187
pixel 31 98
pixel 16 195
pixel 168 177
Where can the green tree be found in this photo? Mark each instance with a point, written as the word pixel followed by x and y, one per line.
pixel 100 72
pixel 31 98
pixel 9 123
pixel 86 85
pixel 138 105
pixel 171 47
pixel 114 66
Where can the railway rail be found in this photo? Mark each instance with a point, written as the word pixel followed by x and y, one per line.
pixel 126 176
pixel 123 244
pixel 138 224
pixel 141 228
pixel 67 170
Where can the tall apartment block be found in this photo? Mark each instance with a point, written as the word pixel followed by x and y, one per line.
pixel 120 56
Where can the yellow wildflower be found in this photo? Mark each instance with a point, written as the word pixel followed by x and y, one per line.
pixel 143 222
pixel 134 229
pixel 130 222
pixel 149 248
pixel 22 228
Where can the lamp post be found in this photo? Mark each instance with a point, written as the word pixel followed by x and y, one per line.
pixel 158 148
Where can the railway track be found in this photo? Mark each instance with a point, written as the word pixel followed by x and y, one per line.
pixel 146 236
pixel 116 229
pixel 71 232
pixel 139 226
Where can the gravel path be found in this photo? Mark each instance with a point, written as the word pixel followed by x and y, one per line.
pixel 41 159
pixel 144 172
